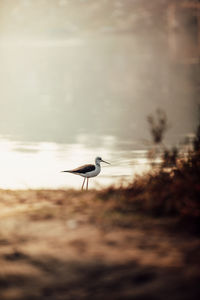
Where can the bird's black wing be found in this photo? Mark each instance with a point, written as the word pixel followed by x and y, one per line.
pixel 82 170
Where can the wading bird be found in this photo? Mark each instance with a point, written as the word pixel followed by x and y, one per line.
pixel 88 171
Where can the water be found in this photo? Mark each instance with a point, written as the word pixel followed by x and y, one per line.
pixel 35 165
pixel 73 89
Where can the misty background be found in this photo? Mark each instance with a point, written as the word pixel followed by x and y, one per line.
pixel 90 71
pixel 94 67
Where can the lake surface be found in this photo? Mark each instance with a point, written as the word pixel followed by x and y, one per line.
pixel 34 165
pixel 80 83
pixel 65 101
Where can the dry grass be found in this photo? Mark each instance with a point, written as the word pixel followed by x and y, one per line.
pixel 92 245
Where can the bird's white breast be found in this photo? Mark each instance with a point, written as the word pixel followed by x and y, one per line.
pixel 93 173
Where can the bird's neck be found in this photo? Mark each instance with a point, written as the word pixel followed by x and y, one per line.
pixel 98 165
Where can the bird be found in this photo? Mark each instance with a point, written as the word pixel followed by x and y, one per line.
pixel 88 171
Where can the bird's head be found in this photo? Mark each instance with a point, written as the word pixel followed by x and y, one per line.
pixel 98 160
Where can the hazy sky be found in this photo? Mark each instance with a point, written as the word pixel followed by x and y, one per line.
pixel 61 18
pixel 91 67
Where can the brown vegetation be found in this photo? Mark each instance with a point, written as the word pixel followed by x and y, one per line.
pixel 93 245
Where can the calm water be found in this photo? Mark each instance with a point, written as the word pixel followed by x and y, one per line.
pixel 75 98
pixel 80 83
pixel 38 165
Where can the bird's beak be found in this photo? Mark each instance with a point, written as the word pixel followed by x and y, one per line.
pixel 105 162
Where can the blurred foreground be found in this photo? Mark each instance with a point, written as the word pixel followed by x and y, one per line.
pixel 92 245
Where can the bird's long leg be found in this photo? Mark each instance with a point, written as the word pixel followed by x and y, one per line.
pixel 83 183
pixel 87 183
